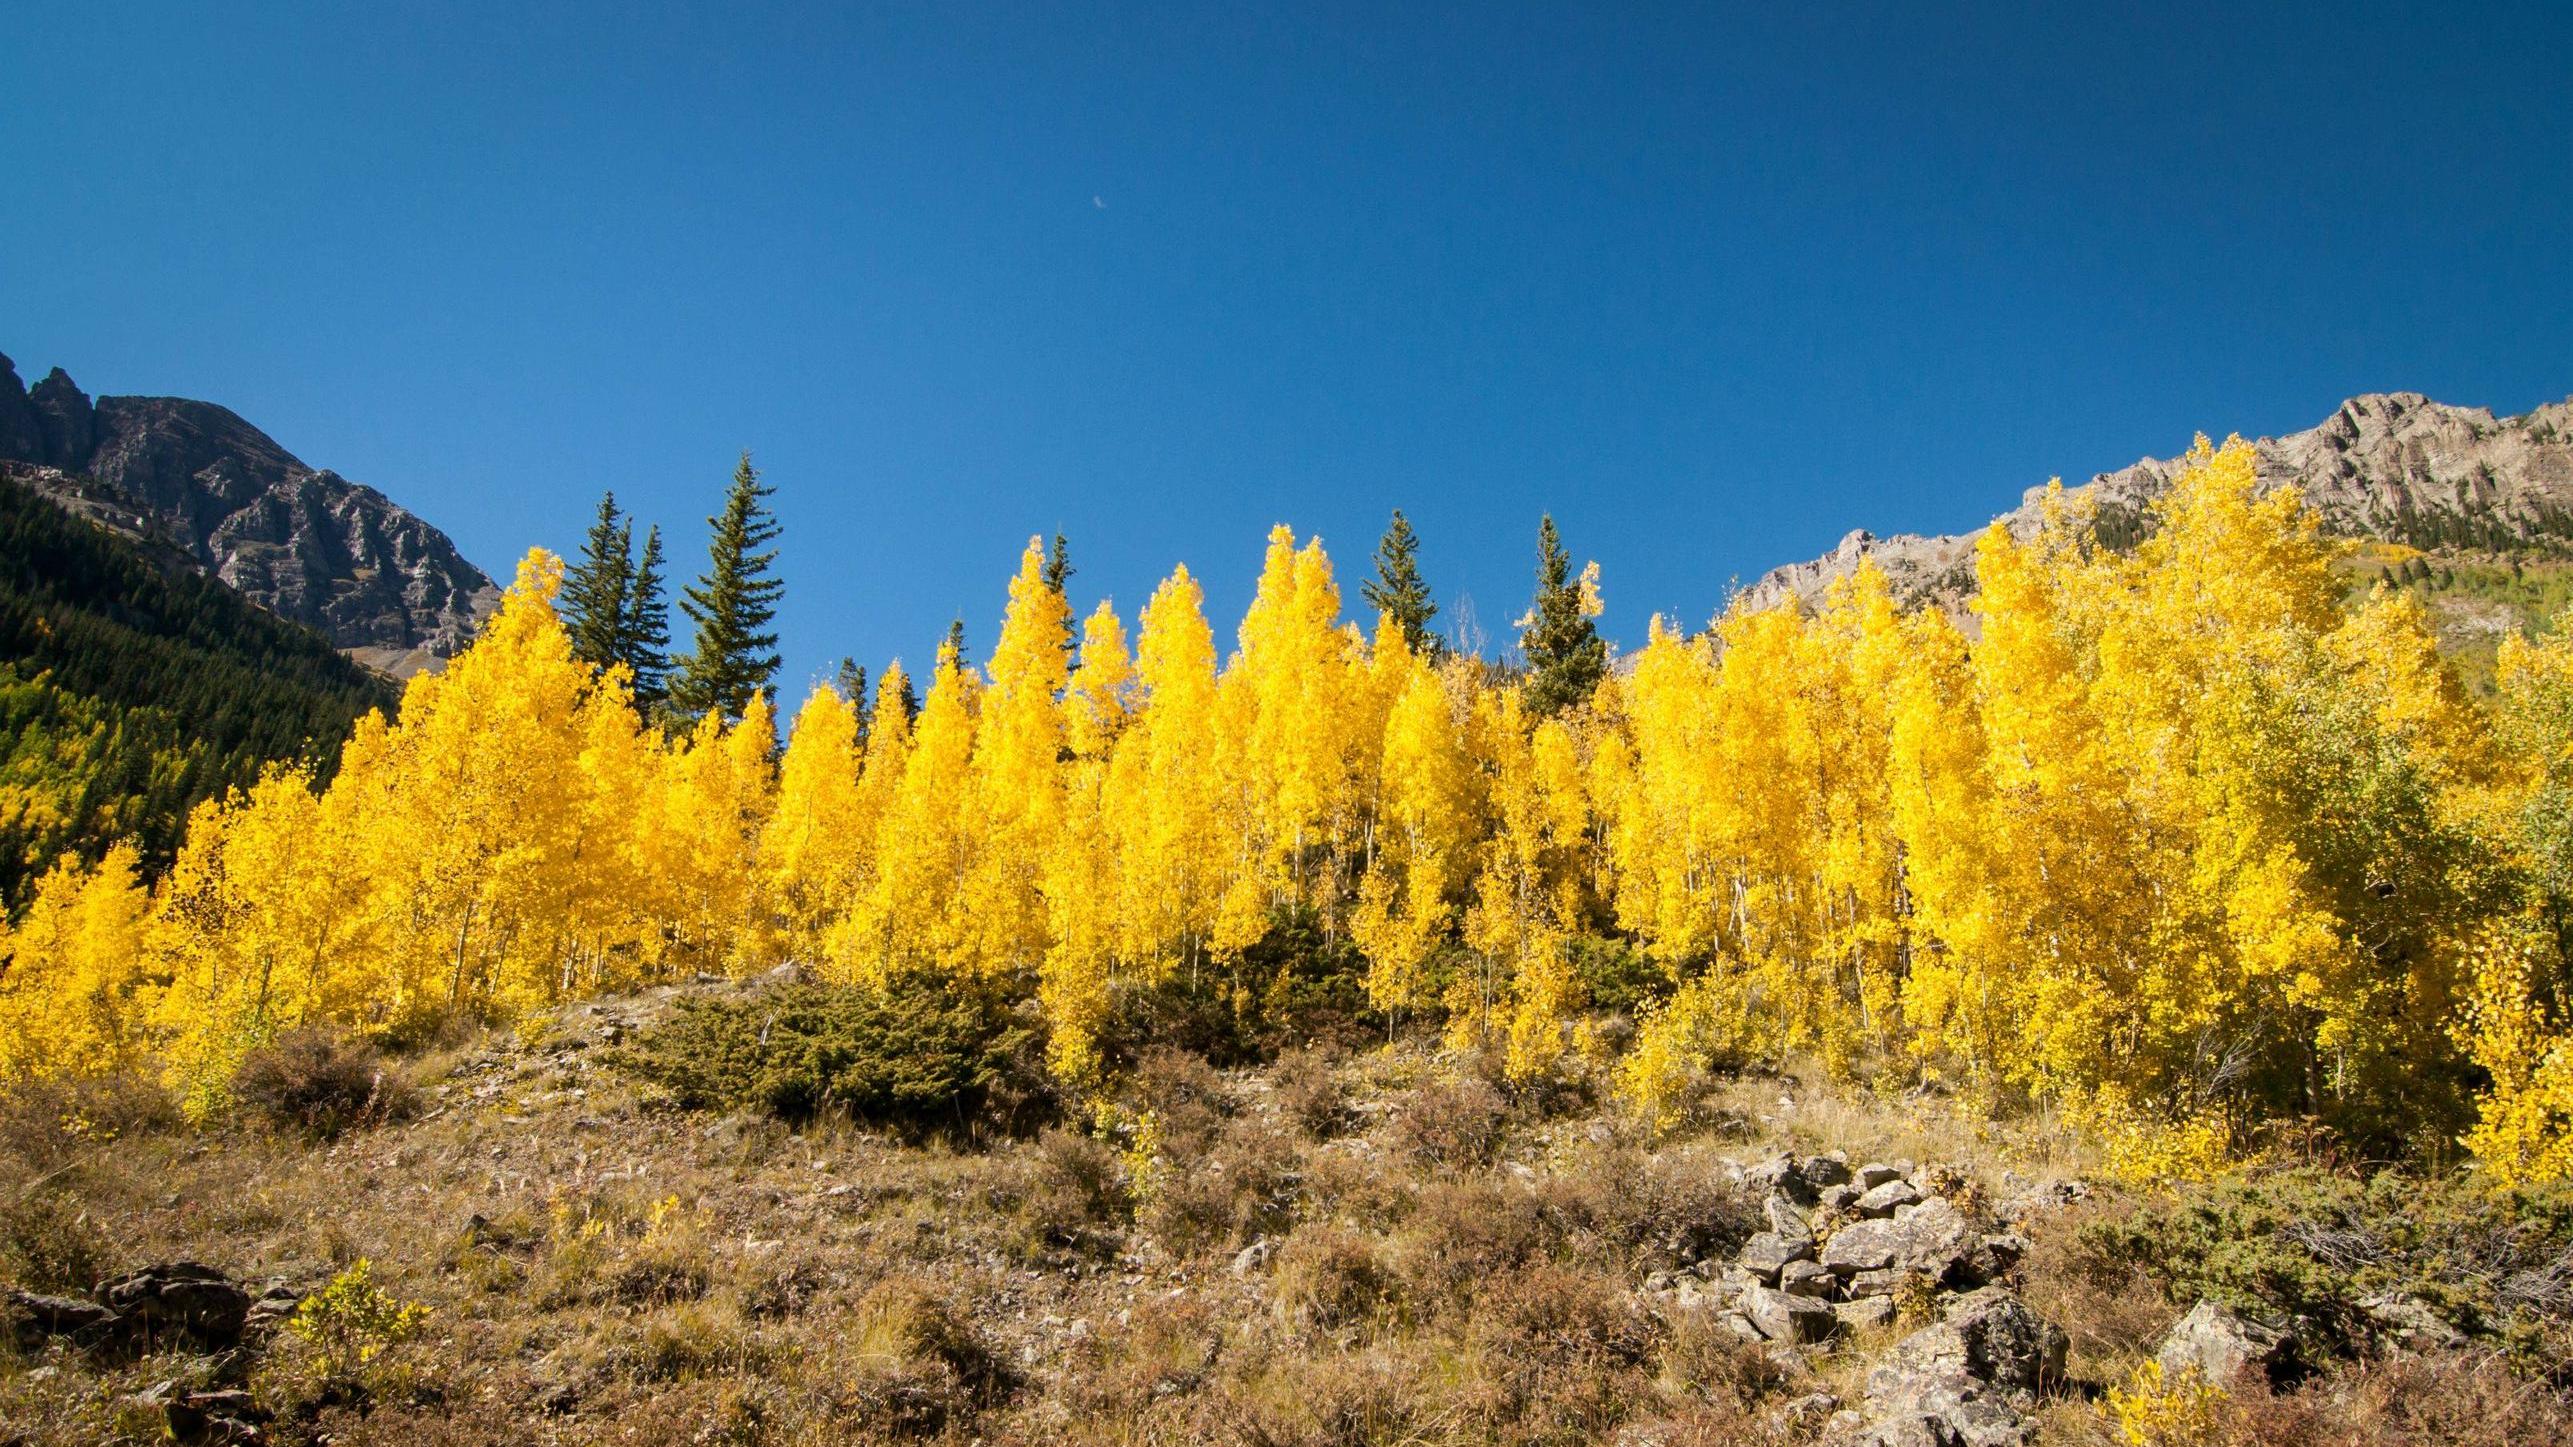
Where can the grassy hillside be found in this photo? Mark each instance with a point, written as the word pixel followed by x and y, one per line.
pixel 129 691
pixel 1386 1246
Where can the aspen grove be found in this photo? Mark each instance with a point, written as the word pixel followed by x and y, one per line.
pixel 2178 842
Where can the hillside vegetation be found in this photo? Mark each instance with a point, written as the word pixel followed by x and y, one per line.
pixel 1363 1029
pixel 135 690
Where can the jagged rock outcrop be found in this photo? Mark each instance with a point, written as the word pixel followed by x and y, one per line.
pixel 2390 465
pixel 304 543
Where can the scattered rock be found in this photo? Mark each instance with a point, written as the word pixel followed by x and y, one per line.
pixel 1967 1381
pixel 1865 1313
pixel 1809 1411
pixel 1881 1200
pixel 2219 1343
pixel 1875 1283
pixel 1784 1218
pixel 1767 1253
pixel 1862 1246
pixel 43 1316
pixel 1253 1257
pixel 183 1297
pixel 1875 1174
pixel 1807 1278
pixel 2411 1324
pixel 1785 1318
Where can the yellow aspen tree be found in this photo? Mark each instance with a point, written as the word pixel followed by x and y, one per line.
pixel 1165 793
pixel 910 918
pixel 1081 875
pixel 1015 792
pixel 1527 892
pixel 1292 751
pixel 1426 824
pixel 813 846
pixel 75 998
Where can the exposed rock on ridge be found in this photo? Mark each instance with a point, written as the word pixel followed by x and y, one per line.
pixel 2390 465
pixel 305 543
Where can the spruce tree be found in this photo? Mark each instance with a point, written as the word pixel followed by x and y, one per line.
pixel 1566 656
pixel 643 641
pixel 1397 590
pixel 851 683
pixel 595 589
pixel 956 643
pixel 1058 576
pixel 735 654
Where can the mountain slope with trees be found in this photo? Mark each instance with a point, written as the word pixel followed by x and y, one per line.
pixel 136 688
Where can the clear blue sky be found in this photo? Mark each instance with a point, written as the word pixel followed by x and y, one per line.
pixel 1715 285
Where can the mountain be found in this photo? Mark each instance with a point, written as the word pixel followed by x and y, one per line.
pixel 134 687
pixel 308 545
pixel 2396 467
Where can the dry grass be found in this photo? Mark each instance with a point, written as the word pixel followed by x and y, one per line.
pixel 1443 1264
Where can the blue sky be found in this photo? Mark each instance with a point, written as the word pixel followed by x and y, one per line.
pixel 1713 284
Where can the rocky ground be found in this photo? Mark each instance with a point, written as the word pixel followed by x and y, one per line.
pixel 1373 1246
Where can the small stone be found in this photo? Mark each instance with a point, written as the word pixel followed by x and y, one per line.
pixel 1881 1200
pixel 1865 1313
pixel 1884 1282
pixel 1862 1246
pixel 2220 1343
pixel 1769 1251
pixel 1252 1257
pixel 1842 1196
pixel 2410 1324
pixel 1828 1169
pixel 1810 1410
pixel 1875 1174
pixel 1784 1218
pixel 1807 1278
pixel 1784 1318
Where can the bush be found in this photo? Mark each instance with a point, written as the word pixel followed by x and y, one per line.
pixel 2316 1245
pixel 1332 1280
pixel 48 1244
pixel 319 1083
pixel 1311 1093
pixel 1451 1124
pixel 1074 1195
pixel 921 1055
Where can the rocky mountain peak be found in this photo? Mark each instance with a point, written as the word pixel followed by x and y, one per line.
pixel 2391 465
pixel 305 543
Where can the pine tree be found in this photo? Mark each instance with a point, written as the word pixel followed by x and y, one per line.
pixel 596 589
pixel 851 681
pixel 735 655
pixel 643 642
pixel 1566 656
pixel 1397 591
pixel 1058 576
pixel 955 643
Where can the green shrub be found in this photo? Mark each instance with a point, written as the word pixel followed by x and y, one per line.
pixel 2316 1245
pixel 920 1055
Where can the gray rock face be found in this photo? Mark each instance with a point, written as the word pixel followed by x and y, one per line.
pixel 306 544
pixel 2390 465
pixel 1862 1246
pixel 2219 1343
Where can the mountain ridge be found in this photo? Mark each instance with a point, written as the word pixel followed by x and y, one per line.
pixel 309 545
pixel 2391 466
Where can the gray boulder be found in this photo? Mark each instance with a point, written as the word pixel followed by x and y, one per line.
pixel 1767 1253
pixel 1967 1381
pixel 1784 1318
pixel 1807 1278
pixel 2220 1343
pixel 1881 1200
pixel 184 1298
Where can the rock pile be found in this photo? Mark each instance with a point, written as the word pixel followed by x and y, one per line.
pixel 1850 1249
pixel 177 1304
pixel 1843 1244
